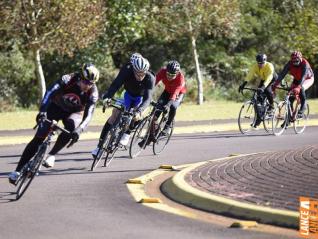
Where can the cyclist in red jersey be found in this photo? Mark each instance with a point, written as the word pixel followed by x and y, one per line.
pixel 303 76
pixel 175 88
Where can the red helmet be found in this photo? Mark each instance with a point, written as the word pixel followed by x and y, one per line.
pixel 296 57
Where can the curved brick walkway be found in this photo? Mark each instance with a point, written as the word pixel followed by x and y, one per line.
pixel 275 179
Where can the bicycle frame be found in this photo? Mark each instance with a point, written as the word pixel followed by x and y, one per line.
pixel 32 168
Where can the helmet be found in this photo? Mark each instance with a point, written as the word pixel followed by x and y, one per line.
pixel 90 72
pixel 140 64
pixel 173 67
pixel 261 58
pixel 134 56
pixel 296 57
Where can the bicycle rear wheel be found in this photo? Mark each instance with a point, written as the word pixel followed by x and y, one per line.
pixel 28 173
pixel 247 117
pixel 280 118
pixel 161 139
pixel 300 123
pixel 140 138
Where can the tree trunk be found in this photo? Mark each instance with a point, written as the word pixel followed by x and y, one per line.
pixel 197 67
pixel 39 71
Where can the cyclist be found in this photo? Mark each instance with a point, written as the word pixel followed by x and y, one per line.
pixel 138 83
pixel 175 88
pixel 71 99
pixel 303 76
pixel 265 71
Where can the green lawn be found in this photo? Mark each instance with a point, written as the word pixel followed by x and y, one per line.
pixel 187 112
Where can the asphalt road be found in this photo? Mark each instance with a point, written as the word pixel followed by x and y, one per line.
pixel 69 201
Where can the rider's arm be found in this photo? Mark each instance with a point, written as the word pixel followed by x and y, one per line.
pixel 269 73
pixel 180 83
pixel 282 74
pixel 117 83
pixel 159 76
pixel 304 72
pixel 150 85
pixel 53 90
pixel 251 72
pixel 89 108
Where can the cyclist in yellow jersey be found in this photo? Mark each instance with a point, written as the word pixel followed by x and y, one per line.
pixel 264 71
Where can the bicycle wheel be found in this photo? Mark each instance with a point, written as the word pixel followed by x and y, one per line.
pixel 268 119
pixel 100 153
pixel 28 173
pixel 280 118
pixel 140 136
pixel 247 117
pixel 300 123
pixel 112 145
pixel 161 140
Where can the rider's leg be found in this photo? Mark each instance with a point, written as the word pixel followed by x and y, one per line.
pixel 307 83
pixel 111 120
pixel 269 94
pixel 40 135
pixel 70 123
pixel 173 110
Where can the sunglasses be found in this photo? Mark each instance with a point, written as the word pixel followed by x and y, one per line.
pixel 296 62
pixel 87 82
pixel 171 75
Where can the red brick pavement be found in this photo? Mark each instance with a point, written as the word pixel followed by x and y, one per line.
pixel 274 179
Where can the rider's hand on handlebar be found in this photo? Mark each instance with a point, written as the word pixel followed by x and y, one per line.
pixel 241 87
pixel 106 102
pixel 137 115
pixel 76 134
pixel 41 116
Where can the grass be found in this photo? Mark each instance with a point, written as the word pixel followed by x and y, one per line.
pixel 25 119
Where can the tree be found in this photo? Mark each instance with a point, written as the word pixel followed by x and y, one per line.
pixel 174 18
pixel 52 26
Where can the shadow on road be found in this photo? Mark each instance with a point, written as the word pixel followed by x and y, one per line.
pixel 222 135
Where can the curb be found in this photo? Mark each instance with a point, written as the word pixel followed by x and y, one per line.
pixel 180 191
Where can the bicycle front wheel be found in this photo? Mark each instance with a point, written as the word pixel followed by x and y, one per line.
pixel 280 118
pixel 100 153
pixel 161 139
pixel 140 138
pixel 268 119
pixel 300 122
pixel 247 117
pixel 28 173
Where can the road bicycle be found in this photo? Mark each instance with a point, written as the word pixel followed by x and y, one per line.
pixel 254 112
pixel 32 168
pixel 110 142
pixel 287 113
pixel 149 131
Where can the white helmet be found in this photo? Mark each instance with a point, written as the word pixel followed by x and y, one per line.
pixel 140 64
pixel 134 56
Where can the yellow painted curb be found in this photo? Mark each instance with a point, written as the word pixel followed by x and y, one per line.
pixel 180 191
pixel 135 181
pixel 232 155
pixel 244 224
pixel 164 166
pixel 150 200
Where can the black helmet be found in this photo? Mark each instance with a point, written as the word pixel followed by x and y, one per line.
pixel 261 58
pixel 173 67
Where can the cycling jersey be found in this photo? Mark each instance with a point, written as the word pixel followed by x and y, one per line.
pixel 135 88
pixel 67 95
pixel 265 73
pixel 300 73
pixel 173 87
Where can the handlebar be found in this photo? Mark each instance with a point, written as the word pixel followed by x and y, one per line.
pixel 54 126
pixel 114 103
